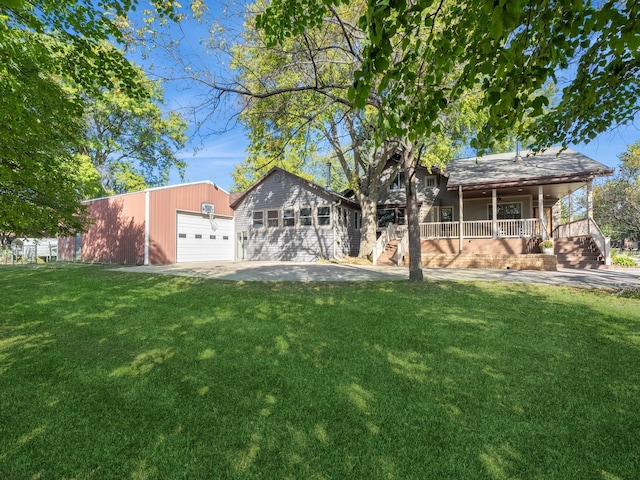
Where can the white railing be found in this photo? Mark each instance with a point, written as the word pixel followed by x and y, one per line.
pixel 439 230
pixel 479 229
pixel 579 228
pixel 586 227
pixel 403 247
pixel 392 232
pixel 526 227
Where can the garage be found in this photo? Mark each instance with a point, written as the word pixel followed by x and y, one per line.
pixel 201 239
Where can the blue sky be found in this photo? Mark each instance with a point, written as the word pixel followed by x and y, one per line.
pixel 213 157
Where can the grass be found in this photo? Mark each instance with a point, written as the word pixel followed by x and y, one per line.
pixel 106 374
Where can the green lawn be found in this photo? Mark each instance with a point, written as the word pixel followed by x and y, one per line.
pixel 106 374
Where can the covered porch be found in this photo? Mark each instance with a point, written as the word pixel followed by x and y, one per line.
pixel 546 212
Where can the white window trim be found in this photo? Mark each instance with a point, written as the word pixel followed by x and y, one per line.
pixel 277 218
pixel 300 217
pixel 505 202
pixel 317 216
pixel 453 213
pixel 293 210
pixel 253 222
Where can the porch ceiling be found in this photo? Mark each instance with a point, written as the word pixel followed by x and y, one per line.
pixel 551 192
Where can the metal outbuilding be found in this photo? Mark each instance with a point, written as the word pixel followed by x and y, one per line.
pixel 179 223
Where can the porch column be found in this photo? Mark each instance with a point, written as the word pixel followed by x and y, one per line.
pixel 460 209
pixel 570 210
pixel 543 227
pixel 589 205
pixel 494 212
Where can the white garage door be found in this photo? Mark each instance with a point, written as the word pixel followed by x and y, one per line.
pixel 201 241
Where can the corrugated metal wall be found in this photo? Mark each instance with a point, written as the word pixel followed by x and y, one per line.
pixel 117 232
pixel 164 202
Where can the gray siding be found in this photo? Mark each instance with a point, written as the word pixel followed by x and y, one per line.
pixel 279 192
pixel 425 193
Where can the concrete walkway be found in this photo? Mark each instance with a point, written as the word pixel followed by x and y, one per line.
pixel 618 279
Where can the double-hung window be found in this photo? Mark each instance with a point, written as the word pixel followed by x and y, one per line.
pixel 288 217
pixel 398 182
pixel 306 219
pixel 272 218
pixel 324 216
pixel 258 220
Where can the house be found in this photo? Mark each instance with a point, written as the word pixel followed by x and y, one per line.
pixel 490 212
pixel 500 206
pixel 180 223
pixel 285 217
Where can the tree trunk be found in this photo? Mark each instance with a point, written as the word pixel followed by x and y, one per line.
pixel 413 213
pixel 368 228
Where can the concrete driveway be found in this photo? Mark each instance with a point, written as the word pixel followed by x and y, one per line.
pixel 618 279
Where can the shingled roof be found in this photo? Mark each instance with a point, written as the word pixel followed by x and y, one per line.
pixel 554 165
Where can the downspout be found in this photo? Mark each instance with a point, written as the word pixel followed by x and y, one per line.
pixel 146 227
pixel 335 222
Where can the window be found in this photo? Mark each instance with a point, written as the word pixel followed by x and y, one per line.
pixel 398 182
pixel 182 235
pixel 198 235
pixel 507 211
pixel 357 220
pixel 225 237
pixel 387 216
pixel 288 218
pixel 430 182
pixel 345 217
pixel 324 216
pixel 446 214
pixel 272 218
pixel 305 217
pixel 212 237
pixel 258 220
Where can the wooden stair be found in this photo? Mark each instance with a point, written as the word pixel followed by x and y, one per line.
pixel 388 257
pixel 577 252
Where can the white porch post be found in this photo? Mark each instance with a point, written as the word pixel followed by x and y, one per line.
pixel 570 210
pixel 494 212
pixel 543 227
pixel 460 208
pixel 589 205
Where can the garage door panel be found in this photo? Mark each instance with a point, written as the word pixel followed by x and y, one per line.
pixel 199 241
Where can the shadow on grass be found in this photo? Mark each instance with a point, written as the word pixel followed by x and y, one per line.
pixel 108 375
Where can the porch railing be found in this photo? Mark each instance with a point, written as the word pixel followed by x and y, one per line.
pixel 587 227
pixel 527 227
pixel 392 232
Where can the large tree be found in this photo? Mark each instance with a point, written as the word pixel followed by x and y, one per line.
pixel 130 141
pixel 616 202
pixel 425 55
pixel 54 56
pixel 296 102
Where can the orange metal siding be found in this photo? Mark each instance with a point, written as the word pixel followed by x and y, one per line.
pixel 117 232
pixel 163 204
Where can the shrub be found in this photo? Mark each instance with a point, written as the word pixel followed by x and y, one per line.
pixel 623 260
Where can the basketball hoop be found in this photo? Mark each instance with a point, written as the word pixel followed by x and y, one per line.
pixel 209 209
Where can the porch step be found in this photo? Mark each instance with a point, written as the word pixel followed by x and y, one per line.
pixel 388 257
pixel 577 252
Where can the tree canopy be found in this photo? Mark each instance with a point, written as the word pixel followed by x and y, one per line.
pixel 616 202
pixel 509 49
pixel 56 57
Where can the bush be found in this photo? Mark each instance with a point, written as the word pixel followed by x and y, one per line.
pixel 623 260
